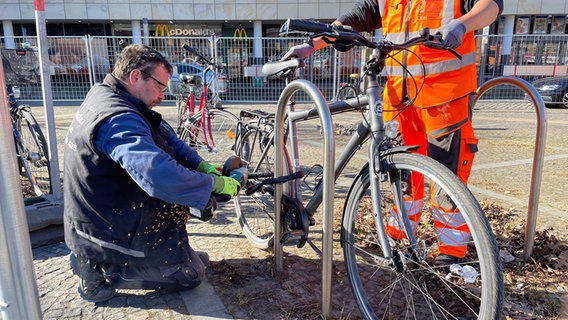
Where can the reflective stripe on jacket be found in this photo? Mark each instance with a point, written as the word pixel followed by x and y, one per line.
pixel 444 77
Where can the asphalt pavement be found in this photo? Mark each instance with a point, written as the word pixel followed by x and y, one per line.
pixel 501 173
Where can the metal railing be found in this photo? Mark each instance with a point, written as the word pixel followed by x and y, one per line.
pixel 78 62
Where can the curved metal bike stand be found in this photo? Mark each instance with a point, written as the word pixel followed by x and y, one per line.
pixel 328 183
pixel 538 159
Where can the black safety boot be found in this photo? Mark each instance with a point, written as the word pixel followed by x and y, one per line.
pixel 93 287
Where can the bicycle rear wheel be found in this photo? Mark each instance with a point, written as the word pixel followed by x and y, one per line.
pixel 33 152
pixel 345 92
pixel 216 147
pixel 410 285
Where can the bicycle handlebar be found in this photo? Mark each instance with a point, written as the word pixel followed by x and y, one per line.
pixel 345 38
pixel 200 56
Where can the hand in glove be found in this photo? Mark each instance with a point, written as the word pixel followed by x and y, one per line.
pixel 301 51
pixel 452 34
pixel 232 163
pixel 224 188
pixel 205 167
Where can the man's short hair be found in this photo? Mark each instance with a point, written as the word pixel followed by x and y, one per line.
pixel 139 56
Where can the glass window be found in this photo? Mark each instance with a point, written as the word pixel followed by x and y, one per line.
pixel 540 25
pixel 558 25
pixel 523 25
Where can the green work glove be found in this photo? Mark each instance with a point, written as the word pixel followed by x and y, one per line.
pixel 225 188
pixel 206 167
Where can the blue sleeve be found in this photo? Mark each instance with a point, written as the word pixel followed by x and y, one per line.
pixel 183 154
pixel 127 140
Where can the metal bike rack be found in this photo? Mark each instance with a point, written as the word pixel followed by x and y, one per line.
pixel 538 159
pixel 328 183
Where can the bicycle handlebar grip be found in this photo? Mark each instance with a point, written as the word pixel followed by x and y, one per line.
pixel 304 25
pixel 190 49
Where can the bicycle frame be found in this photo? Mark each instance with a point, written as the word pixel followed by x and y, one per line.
pixel 372 127
pixel 203 123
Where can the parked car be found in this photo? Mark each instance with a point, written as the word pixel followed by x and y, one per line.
pixel 554 90
pixel 217 82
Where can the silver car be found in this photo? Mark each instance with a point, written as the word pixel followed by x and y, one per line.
pixel 217 83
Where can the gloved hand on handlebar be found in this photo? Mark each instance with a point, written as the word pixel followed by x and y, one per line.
pixel 301 51
pixel 206 167
pixel 452 34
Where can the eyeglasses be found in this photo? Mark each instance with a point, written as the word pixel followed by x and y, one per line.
pixel 163 86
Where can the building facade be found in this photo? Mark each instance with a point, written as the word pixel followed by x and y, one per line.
pixel 205 17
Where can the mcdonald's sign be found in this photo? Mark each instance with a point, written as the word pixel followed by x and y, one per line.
pixel 240 33
pixel 162 30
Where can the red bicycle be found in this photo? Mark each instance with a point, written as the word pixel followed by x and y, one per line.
pixel 209 128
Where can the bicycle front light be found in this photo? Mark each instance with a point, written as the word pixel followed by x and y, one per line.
pixel 391 129
pixel 16 92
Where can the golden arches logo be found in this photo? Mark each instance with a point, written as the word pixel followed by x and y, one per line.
pixel 162 30
pixel 240 33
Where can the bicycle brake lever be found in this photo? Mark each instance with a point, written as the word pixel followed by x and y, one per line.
pixel 438 45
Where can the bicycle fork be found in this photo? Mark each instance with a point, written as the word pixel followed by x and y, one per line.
pixel 378 172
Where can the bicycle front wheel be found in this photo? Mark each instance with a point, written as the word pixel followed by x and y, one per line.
pixel 411 284
pixel 212 136
pixel 33 152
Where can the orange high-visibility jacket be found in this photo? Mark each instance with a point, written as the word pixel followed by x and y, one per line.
pixel 446 78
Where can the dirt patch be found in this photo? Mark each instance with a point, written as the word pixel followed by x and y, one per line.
pixel 534 289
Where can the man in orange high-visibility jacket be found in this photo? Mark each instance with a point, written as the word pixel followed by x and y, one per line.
pixel 433 109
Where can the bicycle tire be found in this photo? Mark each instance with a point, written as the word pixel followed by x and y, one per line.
pixel 223 126
pixel 255 212
pixel 346 91
pixel 32 151
pixel 420 291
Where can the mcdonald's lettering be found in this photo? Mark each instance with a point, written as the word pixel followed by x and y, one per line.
pixel 240 33
pixel 191 32
pixel 162 30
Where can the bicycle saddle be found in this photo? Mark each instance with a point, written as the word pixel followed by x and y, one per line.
pixel 191 79
pixel 275 67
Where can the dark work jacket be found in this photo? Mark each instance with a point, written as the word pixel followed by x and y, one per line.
pixel 107 216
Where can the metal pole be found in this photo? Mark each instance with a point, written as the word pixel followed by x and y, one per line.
pixel 146 31
pixel 538 158
pixel 328 183
pixel 48 101
pixel 18 291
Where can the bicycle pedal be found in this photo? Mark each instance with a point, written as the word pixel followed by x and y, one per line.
pixel 313 177
pixel 294 238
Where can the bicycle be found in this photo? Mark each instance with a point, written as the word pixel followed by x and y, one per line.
pixel 31 145
pixel 348 89
pixel 208 129
pixel 389 277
